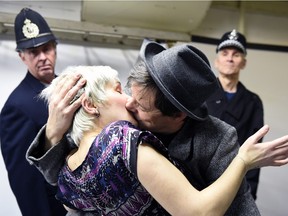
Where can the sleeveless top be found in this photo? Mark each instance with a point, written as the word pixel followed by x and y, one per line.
pixel 106 182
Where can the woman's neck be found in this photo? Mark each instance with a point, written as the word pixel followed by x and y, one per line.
pixel 76 158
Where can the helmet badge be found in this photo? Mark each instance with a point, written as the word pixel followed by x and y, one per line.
pixel 30 30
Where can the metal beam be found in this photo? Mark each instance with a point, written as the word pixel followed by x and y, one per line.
pixel 86 31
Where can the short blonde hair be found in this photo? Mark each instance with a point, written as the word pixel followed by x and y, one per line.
pixel 97 78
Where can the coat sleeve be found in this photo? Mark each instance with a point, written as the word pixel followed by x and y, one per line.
pixel 255 123
pixel 50 162
pixel 226 149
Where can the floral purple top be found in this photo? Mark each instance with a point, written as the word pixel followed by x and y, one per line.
pixel 106 182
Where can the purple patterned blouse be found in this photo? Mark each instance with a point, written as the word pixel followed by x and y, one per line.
pixel 106 182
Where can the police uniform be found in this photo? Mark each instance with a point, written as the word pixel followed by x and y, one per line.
pixel 244 110
pixel 21 118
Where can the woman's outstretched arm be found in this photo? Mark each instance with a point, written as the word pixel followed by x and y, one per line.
pixel 174 192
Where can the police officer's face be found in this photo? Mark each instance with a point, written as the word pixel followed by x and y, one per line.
pixel 230 61
pixel 41 61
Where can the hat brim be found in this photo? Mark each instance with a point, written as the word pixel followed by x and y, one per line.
pixel 35 42
pixel 232 43
pixel 152 49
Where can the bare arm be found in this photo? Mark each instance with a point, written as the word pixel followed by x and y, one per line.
pixel 173 191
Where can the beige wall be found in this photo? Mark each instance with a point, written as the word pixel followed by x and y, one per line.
pixel 266 74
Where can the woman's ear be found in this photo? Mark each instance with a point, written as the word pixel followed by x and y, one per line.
pixel 89 107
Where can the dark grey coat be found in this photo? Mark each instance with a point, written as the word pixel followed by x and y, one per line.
pixel 244 112
pixel 205 149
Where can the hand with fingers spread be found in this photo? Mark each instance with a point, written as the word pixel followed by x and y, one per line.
pixel 61 110
pixel 272 153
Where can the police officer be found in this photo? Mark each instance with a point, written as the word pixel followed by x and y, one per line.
pixel 24 114
pixel 234 103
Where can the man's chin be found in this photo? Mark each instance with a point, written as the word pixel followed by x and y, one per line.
pixel 48 72
pixel 143 126
pixel 47 76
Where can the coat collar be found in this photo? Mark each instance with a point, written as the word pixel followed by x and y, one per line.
pixel 34 83
pixel 181 146
pixel 236 105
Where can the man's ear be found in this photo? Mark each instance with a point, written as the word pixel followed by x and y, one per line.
pixel 243 63
pixel 89 107
pixel 21 55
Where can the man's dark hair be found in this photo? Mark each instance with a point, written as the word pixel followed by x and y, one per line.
pixel 140 75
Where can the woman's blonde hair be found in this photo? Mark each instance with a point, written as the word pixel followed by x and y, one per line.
pixel 97 78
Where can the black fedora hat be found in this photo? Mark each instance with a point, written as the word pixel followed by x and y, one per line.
pixel 183 74
pixel 31 30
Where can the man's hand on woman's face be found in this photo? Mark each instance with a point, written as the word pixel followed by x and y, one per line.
pixel 61 110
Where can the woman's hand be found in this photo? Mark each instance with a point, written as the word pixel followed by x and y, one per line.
pixel 61 110
pixel 272 153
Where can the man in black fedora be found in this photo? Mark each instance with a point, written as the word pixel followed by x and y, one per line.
pixel 24 114
pixel 168 92
pixel 233 102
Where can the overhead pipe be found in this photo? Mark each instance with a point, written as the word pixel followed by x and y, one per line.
pixel 241 23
